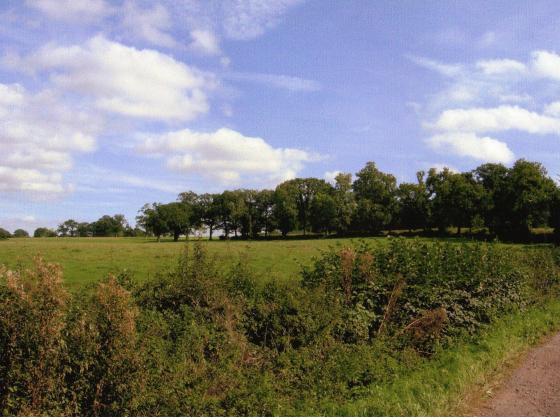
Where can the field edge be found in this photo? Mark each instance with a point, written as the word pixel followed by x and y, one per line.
pixel 463 375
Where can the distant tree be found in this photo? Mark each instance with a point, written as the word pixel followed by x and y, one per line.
pixel 249 213
pixel 531 194
pixel 229 211
pixel 83 229
pixel 152 221
pixel 68 228
pixel 495 208
pixel 303 191
pixel 44 232
pixel 4 234
pixel 265 211
pixel 555 215
pixel 375 193
pixel 20 233
pixel 456 198
pixel 345 203
pixel 109 225
pixel 177 218
pixel 323 212
pixel 206 211
pixel 413 204
pixel 284 210
pixel 121 224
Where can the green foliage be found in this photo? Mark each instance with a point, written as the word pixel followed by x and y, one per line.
pixel 375 193
pixel 4 234
pixel 206 340
pixel 20 233
pixel 44 232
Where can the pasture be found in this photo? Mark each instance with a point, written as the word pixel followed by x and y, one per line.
pixel 86 260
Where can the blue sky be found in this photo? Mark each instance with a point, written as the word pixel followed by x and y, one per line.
pixel 106 104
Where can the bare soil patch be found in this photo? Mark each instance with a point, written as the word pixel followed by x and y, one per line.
pixel 532 390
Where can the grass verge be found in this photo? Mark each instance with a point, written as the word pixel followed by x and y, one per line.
pixel 456 377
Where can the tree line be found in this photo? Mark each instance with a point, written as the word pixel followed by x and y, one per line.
pixel 507 202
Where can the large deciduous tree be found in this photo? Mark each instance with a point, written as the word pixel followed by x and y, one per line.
pixel 345 203
pixel 413 203
pixel 375 193
pixel 303 191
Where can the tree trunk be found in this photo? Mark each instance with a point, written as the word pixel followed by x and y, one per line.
pixel 211 230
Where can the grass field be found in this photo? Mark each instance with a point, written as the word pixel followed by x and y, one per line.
pixel 86 260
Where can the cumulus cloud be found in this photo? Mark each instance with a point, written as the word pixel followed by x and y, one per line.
pixel 204 42
pixel 330 176
pixel 546 64
pixel 71 9
pixel 496 119
pixel 133 82
pixel 38 139
pixel 472 146
pixel 553 109
pixel 227 156
pixel 491 96
pixel 151 24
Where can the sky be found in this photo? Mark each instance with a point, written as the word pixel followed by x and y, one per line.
pixel 106 104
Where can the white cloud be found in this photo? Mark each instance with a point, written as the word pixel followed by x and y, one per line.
pixel 501 66
pixel 150 24
pixel 470 145
pixel 231 19
pixel 71 9
pixel 38 138
pixel 125 80
pixel 284 82
pixel 204 42
pixel 227 156
pixel 546 64
pixel 496 119
pixel 440 167
pixel 448 70
pixel 553 109
pixel 485 97
pixel 330 176
pixel 248 19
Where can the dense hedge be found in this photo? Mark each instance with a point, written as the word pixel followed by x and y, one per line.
pixel 205 341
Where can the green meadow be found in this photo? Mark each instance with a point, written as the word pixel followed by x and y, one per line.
pixel 86 260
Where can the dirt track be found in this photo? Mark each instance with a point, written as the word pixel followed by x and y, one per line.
pixel 533 390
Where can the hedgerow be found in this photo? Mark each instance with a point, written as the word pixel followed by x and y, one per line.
pixel 211 341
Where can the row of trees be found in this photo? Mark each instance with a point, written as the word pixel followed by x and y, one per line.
pixel 106 225
pixel 4 234
pixel 509 202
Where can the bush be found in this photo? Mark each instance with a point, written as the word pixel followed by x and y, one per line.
pixel 208 341
pixel 20 233
pixel 4 234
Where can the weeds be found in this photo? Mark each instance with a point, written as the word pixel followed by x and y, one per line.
pixel 204 341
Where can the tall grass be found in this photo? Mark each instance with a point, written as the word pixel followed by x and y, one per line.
pixel 403 329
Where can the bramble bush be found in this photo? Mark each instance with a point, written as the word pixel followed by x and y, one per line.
pixel 206 340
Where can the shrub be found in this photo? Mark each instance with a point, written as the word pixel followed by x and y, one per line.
pixel 33 304
pixel 208 341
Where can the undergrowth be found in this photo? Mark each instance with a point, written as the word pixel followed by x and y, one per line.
pixel 403 329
